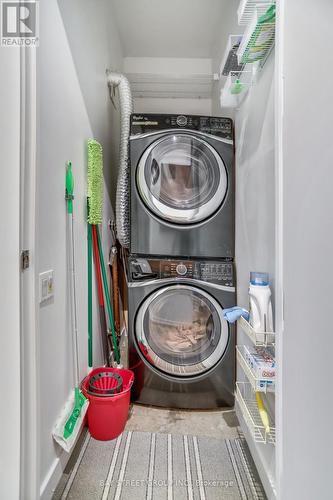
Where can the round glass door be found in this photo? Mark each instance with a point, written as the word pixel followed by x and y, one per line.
pixel 182 179
pixel 180 330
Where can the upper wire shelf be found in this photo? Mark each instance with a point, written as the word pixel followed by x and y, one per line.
pixel 246 9
pixel 259 36
pixel 258 338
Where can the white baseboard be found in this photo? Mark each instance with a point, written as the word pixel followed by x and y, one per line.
pixel 53 476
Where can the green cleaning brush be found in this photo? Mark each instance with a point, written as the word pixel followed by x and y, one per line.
pixel 95 182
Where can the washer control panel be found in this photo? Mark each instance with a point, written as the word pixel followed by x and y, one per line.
pixel 210 271
pixel 216 271
pixel 214 125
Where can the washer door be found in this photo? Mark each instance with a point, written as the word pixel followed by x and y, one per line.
pixel 182 179
pixel 180 331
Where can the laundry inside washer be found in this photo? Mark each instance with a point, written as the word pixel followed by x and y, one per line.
pixel 180 323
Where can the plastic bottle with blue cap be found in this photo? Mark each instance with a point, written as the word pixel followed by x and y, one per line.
pixel 261 314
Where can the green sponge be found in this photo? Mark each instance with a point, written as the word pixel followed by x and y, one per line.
pixel 95 182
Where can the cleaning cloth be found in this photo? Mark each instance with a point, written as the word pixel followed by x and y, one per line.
pixel 234 313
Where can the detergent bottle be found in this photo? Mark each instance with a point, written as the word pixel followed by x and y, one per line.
pixel 261 315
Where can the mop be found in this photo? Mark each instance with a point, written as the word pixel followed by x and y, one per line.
pixel 95 207
pixel 68 426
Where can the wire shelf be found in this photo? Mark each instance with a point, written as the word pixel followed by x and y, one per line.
pixel 248 405
pixel 246 9
pixel 258 338
pixel 258 384
pixel 250 49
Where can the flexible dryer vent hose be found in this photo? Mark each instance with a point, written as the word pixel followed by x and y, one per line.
pixel 122 197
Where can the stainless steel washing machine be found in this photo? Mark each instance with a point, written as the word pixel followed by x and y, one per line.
pixel 182 186
pixel 181 349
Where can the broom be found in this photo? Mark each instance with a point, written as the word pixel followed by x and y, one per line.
pixel 69 423
pixel 95 208
pixel 102 317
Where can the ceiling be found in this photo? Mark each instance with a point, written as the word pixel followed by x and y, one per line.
pixel 171 28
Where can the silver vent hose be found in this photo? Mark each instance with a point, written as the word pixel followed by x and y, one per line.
pixel 122 197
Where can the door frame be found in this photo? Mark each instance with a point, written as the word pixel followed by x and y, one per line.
pixel 30 419
pixel 279 242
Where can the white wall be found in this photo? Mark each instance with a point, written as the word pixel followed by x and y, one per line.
pixel 94 43
pixel 10 273
pixel 255 196
pixel 255 181
pixel 156 28
pixel 145 87
pixel 255 211
pixel 176 105
pixel 69 112
pixel 306 155
pixel 168 65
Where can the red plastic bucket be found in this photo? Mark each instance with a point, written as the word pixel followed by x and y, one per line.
pixel 107 416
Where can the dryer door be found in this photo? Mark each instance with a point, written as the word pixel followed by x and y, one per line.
pixel 182 179
pixel 180 331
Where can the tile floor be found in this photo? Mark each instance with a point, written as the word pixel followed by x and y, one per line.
pixel 221 424
pixel 218 424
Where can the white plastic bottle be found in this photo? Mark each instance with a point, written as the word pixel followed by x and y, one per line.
pixel 261 315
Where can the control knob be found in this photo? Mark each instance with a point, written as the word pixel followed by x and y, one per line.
pixel 181 269
pixel 181 120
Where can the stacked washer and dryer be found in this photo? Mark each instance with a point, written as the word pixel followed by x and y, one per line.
pixel 180 270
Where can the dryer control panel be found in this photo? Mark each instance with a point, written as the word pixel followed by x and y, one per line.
pixel 209 271
pixel 145 123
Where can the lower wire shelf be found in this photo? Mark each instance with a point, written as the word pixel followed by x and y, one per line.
pixel 245 397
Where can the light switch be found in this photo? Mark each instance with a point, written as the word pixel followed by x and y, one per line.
pixel 46 286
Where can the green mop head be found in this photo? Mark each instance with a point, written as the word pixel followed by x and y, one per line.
pixel 95 182
pixel 71 420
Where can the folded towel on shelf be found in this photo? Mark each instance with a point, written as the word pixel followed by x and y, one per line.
pixel 234 313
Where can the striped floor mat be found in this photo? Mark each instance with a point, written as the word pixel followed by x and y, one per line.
pixel 149 466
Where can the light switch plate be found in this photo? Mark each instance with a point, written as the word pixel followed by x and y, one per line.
pixel 46 286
